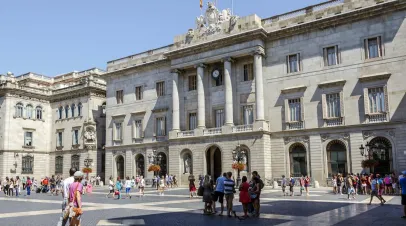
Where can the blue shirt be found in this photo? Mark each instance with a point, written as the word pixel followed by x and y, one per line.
pixel 402 183
pixel 373 185
pixel 228 186
pixel 220 184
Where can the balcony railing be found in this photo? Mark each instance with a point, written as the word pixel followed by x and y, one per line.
pixel 189 133
pixel 212 131
pixel 333 122
pixel 380 117
pixel 295 125
pixel 243 128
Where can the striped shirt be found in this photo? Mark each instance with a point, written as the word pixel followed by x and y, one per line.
pixel 228 186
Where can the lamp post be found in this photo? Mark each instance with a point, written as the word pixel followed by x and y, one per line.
pixel 369 150
pixel 238 155
pixel 88 162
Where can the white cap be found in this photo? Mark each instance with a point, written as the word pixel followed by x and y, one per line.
pixel 78 174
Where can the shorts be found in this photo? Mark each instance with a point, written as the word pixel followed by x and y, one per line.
pixel 218 196
pixel 374 193
pixel 403 200
pixel 394 185
pixel 388 185
pixel 127 190
pixel 363 185
pixel 52 186
pixel 291 188
pixel 111 190
pixel 229 200
pixel 351 190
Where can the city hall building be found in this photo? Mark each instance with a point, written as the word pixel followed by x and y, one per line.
pixel 299 93
pixel 49 124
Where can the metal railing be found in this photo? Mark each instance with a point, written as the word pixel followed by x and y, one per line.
pixel 189 133
pixel 295 125
pixel 373 118
pixel 333 122
pixel 212 131
pixel 243 128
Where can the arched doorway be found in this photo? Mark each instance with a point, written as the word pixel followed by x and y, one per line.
pixel 120 166
pixel 163 164
pixel 213 162
pixel 336 158
pixel 298 160
pixel 139 165
pixel 382 152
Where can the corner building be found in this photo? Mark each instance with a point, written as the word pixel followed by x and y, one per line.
pixel 299 92
pixel 50 124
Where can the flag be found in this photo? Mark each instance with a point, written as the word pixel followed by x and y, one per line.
pixel 201 3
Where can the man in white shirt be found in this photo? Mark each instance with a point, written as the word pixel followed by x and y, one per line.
pixel 65 194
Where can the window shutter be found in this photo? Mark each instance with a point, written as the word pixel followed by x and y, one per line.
pixel 114 131
pixel 287 118
pixel 121 131
pixel 379 46
pixel 337 56
pixel 165 126
pixel 366 49
pixel 366 101
pixel 302 110
pixel 298 62
pixel 385 91
pixel 325 56
pixel 324 105
pixel 155 125
pixel 342 103
pixel 73 137
pixel 134 128
pixel 287 64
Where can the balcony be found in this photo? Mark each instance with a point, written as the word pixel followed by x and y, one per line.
pixel 378 117
pixel 295 125
pixel 190 133
pixel 242 128
pixel 330 122
pixel 212 131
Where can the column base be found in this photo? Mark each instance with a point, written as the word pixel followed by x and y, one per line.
pixel 173 134
pixel 261 126
pixel 227 129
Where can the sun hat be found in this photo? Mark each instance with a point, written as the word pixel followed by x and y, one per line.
pixel 78 174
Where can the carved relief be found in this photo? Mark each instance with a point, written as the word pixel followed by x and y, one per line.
pixel 118 153
pixel 139 151
pixel 324 137
pixel 304 139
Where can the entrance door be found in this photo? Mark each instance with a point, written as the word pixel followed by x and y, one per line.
pixel 139 164
pixel 120 166
pixel 217 163
pixel 213 162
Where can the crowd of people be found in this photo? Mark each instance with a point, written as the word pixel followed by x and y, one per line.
pixel 115 188
pixel 304 184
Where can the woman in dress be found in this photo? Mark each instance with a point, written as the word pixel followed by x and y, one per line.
pixel 244 195
pixel 207 197
pixel 335 184
pixel 192 188
pixel 141 185
pixel 162 186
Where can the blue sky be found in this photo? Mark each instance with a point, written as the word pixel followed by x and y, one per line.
pixel 53 37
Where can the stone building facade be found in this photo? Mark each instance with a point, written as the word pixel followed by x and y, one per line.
pixel 298 92
pixel 48 124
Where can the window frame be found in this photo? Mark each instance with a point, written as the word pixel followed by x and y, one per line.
pixel 298 62
pixel 189 114
pixel 119 96
pixel 38 109
pixel 27 164
pixel 72 110
pixel 242 107
pixel 139 92
pixel 289 113
pixel 80 109
pixel 59 165
pixel 161 91
pixel 326 55
pixel 247 72
pixel 29 109
pixel 192 82
pixel 32 139
pixel 138 134
pixel 380 47
pixel 19 110
pixel 59 138
pixel 156 124
pixel 75 159
pixel 221 119
pixel 75 136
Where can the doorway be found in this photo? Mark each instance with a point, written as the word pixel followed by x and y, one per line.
pixel 213 162
pixel 120 166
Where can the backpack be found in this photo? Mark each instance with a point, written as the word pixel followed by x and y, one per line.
pixel 261 184
pixel 292 182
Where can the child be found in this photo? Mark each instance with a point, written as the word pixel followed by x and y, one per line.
pixel 244 196
pixel 161 186
pixel 283 185
pixel 335 185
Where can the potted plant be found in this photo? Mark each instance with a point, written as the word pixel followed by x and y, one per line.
pixel 87 170
pixel 154 168
pixel 238 166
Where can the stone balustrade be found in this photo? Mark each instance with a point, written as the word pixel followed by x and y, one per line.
pixel 189 133
pixel 334 122
pixel 295 125
pixel 212 131
pixel 374 118
pixel 242 128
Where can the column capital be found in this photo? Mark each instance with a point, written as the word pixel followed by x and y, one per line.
pixel 228 59
pixel 200 65
pixel 259 51
pixel 177 71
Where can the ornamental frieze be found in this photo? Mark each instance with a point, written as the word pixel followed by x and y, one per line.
pixel 304 139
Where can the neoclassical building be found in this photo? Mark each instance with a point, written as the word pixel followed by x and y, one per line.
pixel 48 124
pixel 298 92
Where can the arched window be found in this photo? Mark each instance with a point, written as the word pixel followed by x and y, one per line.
pixel 58 164
pixel 19 110
pixel 27 164
pixel 337 158
pixel 72 110
pixel 60 111
pixel 75 161
pixel 298 161
pixel 381 151
pixel 80 109
pixel 29 110
pixel 67 111
pixel 38 112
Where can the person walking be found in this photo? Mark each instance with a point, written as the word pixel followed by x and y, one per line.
pixel 65 197
pixel 350 186
pixel 162 186
pixel 75 199
pixel 111 187
pixel 291 185
pixel 334 182
pixel 127 187
pixel 207 195
pixel 302 185
pixel 17 185
pixel 24 182
pixel 28 184
pixel 381 187
pixel 307 184
pixel 118 188
pixel 192 186
pixel 363 185
pixel 339 184
pixel 141 185
pixel 374 189
pixel 388 184
pixel 229 190
pixel 219 193
pixel 244 196
pixel 284 183
pixel 258 185
pixel 11 187
pixel 402 183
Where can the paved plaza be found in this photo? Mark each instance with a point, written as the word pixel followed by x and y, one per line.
pixel 176 208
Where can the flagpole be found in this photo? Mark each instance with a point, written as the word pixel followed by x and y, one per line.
pixel 232 7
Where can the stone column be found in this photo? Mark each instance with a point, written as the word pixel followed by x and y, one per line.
pixel 259 85
pixel 201 110
pixel 175 101
pixel 228 93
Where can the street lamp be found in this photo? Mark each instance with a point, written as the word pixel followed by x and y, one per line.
pixel 238 155
pixel 369 150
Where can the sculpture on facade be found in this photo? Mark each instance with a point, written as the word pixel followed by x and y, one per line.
pixel 89 136
pixel 189 36
pixel 187 164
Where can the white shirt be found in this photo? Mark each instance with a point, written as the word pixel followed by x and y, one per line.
pixel 66 184
pixel 142 183
pixel 128 184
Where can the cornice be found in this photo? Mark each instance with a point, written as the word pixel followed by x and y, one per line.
pixel 139 67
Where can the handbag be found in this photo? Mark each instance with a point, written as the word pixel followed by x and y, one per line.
pixel 71 210
pixel 200 191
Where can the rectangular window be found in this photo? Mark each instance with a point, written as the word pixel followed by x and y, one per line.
pixel 138 93
pixel 373 48
pixel 192 82
pixel 248 114
pixel 138 129
pixel 160 127
pixel 192 121
pixel 28 139
pixel 219 116
pixel 60 139
pixel 118 131
pixel 293 63
pixel 295 110
pixel 330 56
pixel 333 105
pixel 75 137
pixel 248 72
pixel 160 89
pixel 376 98
pixel 119 96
